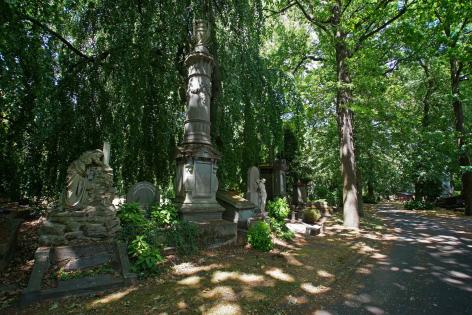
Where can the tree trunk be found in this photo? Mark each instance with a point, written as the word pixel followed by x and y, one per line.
pixel 464 159
pixel 346 132
pixel 370 191
pixel 360 200
pixel 429 92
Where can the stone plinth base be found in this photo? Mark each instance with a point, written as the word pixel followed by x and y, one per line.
pixel 79 226
pixel 200 212
pixel 217 233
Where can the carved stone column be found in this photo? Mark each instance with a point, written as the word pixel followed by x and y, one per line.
pixel 196 182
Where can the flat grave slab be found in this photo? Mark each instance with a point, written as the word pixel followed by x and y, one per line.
pixel 83 269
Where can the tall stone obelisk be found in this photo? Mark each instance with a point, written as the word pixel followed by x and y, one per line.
pixel 196 182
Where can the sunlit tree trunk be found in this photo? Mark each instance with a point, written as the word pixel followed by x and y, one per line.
pixel 464 159
pixel 345 118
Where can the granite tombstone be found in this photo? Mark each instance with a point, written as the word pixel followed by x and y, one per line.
pixel 144 193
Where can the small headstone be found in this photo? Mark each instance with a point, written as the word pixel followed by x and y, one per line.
pixel 252 185
pixel 143 193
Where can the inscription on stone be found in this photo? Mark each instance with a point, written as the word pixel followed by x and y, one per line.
pixel 203 174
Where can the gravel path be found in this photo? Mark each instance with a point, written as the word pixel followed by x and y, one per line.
pixel 427 270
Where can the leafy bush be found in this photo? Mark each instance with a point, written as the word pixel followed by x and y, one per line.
pixel 131 214
pixel 278 209
pixel 287 235
pixel 164 215
pixel 145 256
pixel 184 236
pixel 280 229
pixel 418 205
pixel 311 215
pixel 259 236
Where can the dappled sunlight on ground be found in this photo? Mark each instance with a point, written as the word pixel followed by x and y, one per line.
pixel 223 309
pixel 427 264
pixel 113 297
pixel 298 276
pixel 308 275
pixel 189 268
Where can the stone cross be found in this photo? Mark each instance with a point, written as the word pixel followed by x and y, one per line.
pixel 106 153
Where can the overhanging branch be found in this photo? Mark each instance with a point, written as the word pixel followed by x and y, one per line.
pixel 283 10
pixel 56 35
pixel 310 18
pixel 377 29
pixel 305 58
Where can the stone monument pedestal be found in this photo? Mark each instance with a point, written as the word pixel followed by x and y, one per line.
pixel 196 183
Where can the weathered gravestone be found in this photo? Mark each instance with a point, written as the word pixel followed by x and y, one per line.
pixel 85 227
pixel 87 214
pixel 252 185
pixel 143 193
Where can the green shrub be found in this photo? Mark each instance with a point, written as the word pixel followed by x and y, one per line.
pixel 418 205
pixel 280 229
pixel 145 257
pixel 287 235
pixel 164 215
pixel 311 215
pixel 259 236
pixel 278 209
pixel 131 214
pixel 184 236
pixel 276 227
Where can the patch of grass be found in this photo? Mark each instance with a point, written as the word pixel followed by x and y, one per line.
pixel 63 275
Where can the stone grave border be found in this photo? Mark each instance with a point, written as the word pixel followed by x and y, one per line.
pixel 43 260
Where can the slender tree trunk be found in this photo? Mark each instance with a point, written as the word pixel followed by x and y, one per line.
pixel 345 121
pixel 370 191
pixel 360 200
pixel 429 92
pixel 464 159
